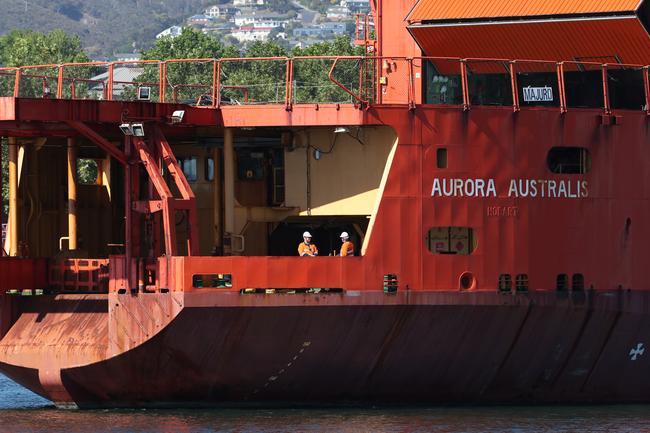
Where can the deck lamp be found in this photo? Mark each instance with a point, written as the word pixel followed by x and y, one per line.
pixel 138 129
pixel 135 129
pixel 126 129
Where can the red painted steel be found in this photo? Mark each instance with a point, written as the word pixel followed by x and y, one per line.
pixel 126 345
pixel 622 40
pixel 473 9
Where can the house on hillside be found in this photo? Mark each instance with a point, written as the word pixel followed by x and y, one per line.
pixel 199 20
pixel 356 5
pixel 221 11
pixel 248 2
pixel 261 20
pixel 338 13
pixel 172 31
pixel 250 34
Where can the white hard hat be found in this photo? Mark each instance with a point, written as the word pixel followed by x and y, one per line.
pixel 345 235
pixel 306 235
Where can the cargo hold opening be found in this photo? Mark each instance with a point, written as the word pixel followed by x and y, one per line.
pixel 326 180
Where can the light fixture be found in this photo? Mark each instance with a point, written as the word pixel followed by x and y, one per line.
pixel 135 129
pixel 138 129
pixel 317 154
pixel 126 129
pixel 144 93
pixel 341 130
pixel 177 116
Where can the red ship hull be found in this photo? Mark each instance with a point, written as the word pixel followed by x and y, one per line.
pixel 417 348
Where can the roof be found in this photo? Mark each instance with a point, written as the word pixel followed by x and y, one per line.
pixel 432 10
pixel 624 39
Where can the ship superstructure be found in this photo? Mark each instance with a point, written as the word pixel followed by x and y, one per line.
pixel 499 205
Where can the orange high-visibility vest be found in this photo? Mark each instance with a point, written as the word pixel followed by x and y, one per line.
pixel 347 249
pixel 307 249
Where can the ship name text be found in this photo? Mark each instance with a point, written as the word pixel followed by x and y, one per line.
pixel 517 188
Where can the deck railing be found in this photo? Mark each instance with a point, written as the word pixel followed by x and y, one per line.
pixel 357 80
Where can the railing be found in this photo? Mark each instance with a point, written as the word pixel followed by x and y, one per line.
pixel 362 81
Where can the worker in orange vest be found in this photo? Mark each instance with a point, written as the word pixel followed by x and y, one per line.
pixel 306 248
pixel 347 248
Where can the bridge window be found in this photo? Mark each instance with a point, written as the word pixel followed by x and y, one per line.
pixel 209 169
pixel 189 167
pixel 562 283
pixel 451 240
pixel 443 82
pixel 489 83
pixel 583 86
pixel 626 88
pixel 569 160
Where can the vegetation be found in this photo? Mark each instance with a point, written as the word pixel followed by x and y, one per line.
pixel 105 26
pixel 25 47
pixel 253 81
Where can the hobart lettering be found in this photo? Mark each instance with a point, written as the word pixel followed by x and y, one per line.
pixel 518 188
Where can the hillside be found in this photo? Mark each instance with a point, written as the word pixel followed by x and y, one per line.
pixel 104 26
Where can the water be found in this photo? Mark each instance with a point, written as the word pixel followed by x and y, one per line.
pixel 24 412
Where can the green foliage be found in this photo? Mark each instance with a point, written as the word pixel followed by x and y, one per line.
pixel 106 26
pixel 311 82
pixel 87 171
pixel 25 47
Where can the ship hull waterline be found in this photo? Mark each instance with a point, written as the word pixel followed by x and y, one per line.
pixel 419 348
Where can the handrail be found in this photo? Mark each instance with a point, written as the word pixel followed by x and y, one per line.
pixel 404 90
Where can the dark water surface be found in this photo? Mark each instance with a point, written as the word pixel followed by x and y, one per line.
pixel 22 411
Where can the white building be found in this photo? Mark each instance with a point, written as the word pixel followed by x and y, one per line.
pixel 356 5
pixel 338 13
pixel 261 20
pixel 220 11
pixel 248 2
pixel 172 31
pixel 249 34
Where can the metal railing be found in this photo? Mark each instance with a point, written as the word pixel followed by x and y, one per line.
pixel 362 81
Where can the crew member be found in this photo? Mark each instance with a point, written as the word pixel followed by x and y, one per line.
pixel 347 248
pixel 307 248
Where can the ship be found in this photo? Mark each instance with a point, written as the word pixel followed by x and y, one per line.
pixel 488 161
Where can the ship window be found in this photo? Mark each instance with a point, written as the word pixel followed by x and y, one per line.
pixel 505 282
pixel 451 240
pixel 88 172
pixel 521 282
pixel 562 282
pixel 578 282
pixel 441 157
pixel 569 160
pixel 209 169
pixel 489 83
pixel 188 165
pixel 212 281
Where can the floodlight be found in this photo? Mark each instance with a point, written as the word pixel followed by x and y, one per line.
pixel 177 116
pixel 138 129
pixel 126 129
pixel 341 130
pixel 144 93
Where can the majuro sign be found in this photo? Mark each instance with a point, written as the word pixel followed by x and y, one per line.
pixel 534 188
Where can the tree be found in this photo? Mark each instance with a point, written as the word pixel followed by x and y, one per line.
pixel 26 47
pixel 311 82
pixel 187 81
